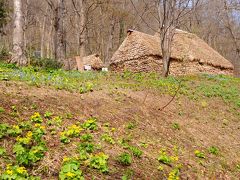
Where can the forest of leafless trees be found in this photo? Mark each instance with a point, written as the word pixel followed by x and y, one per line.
pixel 59 29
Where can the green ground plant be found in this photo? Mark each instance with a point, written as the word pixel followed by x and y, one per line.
pixel 86 137
pixel 2 110
pixel 99 161
pixel 125 159
pixel 213 150
pixel 71 170
pixel 3 130
pixel 16 173
pixel 55 121
pixel 199 154
pixel 25 140
pixel 128 174
pixel 31 148
pixel 72 131
pixel 176 126
pixel 164 157
pixel 2 151
pixel 131 125
pixel 136 151
pixel 90 124
pixel 107 138
pixel 48 115
pixel 211 86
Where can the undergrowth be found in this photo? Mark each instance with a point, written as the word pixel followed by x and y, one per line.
pixel 194 87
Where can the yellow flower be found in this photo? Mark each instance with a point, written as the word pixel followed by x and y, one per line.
pixel 16 127
pixel 9 166
pixel 174 158
pixel 36 114
pixel 37 125
pixel 160 168
pixel 21 170
pixel 35 151
pixel 29 134
pixel 196 152
pixel 70 174
pixel 9 172
pixel 65 159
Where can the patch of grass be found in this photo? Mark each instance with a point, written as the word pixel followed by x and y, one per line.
pixel 107 138
pixel 209 86
pixel 125 159
pixel 136 151
pixel 124 142
pixel 213 150
pixel 131 125
pixel 128 174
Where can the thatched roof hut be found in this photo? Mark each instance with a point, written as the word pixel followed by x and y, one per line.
pixel 93 60
pixel 141 52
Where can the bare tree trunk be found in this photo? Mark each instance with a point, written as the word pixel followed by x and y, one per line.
pixel 60 34
pixel 234 39
pixel 82 29
pixel 50 41
pixel 167 30
pixel 18 55
pixel 101 34
pixel 110 41
pixel 43 28
pixel 166 43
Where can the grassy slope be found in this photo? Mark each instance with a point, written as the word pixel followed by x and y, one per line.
pixel 205 113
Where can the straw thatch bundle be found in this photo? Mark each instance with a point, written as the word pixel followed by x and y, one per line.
pixel 93 60
pixel 141 52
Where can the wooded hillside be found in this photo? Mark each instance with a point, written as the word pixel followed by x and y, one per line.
pixel 65 28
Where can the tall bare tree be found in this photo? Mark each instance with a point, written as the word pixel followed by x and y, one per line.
pixel 18 54
pixel 60 44
pixel 231 9
pixel 170 14
pixel 3 14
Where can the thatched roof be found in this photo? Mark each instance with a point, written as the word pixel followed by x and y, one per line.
pixel 186 46
pixel 93 60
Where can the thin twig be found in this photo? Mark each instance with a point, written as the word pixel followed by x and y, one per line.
pixel 174 96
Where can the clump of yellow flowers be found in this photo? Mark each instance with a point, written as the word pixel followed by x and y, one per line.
pixel 36 118
pixel 15 172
